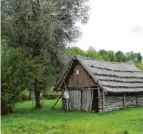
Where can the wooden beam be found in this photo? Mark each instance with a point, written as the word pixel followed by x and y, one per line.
pixel 103 93
pixel 56 102
pixel 98 90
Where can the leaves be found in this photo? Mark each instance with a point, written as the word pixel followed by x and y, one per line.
pixel 19 72
pixel 108 55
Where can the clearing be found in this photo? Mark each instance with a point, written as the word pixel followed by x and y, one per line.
pixel 56 121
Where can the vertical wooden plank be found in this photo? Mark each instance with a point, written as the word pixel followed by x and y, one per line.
pixel 87 99
pixel 89 106
pixel 91 101
pixel 103 100
pixel 74 95
pixel 70 100
pixel 81 99
pixel 86 104
pixel 84 100
pixel 77 99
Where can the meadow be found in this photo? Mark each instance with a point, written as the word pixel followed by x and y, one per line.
pixel 26 120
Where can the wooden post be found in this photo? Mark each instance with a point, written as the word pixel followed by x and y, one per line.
pixel 103 100
pixel 98 100
pixel 81 98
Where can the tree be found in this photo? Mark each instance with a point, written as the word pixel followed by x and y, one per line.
pixel 103 54
pixel 75 51
pixel 139 57
pixel 110 56
pixel 92 53
pixel 120 57
pixel 42 28
pixel 17 75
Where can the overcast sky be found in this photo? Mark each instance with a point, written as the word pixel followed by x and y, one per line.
pixel 113 25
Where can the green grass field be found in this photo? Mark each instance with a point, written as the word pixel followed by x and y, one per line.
pixel 56 121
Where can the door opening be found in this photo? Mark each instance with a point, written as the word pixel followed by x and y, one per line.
pixel 95 101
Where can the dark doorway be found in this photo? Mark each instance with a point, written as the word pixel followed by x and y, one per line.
pixel 95 101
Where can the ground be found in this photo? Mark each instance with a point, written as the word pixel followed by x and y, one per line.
pixel 56 121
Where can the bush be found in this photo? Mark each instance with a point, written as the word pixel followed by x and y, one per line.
pixel 50 95
pixel 18 72
pixel 24 96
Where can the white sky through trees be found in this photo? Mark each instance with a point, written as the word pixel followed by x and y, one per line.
pixel 113 25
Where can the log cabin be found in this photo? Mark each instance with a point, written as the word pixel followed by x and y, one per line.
pixel 100 86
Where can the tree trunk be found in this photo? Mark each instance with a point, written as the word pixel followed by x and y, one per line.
pixel 37 97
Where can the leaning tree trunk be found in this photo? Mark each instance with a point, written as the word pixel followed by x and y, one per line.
pixel 37 97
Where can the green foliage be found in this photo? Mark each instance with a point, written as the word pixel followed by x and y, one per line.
pixel 24 95
pixel 49 95
pixel 57 121
pixel 42 29
pixel 120 57
pixel 92 53
pixel 75 51
pixel 139 65
pixel 135 57
pixel 18 73
pixel 103 54
pixel 108 55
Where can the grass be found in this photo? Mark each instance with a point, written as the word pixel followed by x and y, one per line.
pixel 56 121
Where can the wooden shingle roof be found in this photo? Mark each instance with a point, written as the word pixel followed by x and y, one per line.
pixel 111 76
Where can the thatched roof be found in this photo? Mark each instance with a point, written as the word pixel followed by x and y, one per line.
pixel 111 76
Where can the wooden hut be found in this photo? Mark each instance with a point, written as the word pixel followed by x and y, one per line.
pixel 100 86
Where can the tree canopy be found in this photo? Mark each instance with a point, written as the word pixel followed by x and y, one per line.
pixel 118 56
pixel 42 29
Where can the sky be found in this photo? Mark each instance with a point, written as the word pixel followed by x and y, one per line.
pixel 113 25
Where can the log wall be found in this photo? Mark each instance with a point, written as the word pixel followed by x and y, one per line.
pixel 130 101
pixel 140 100
pixel 114 102
pixel 83 100
pixel 100 100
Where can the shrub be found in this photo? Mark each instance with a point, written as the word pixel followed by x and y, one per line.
pixel 50 95
pixel 24 96
pixel 18 72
